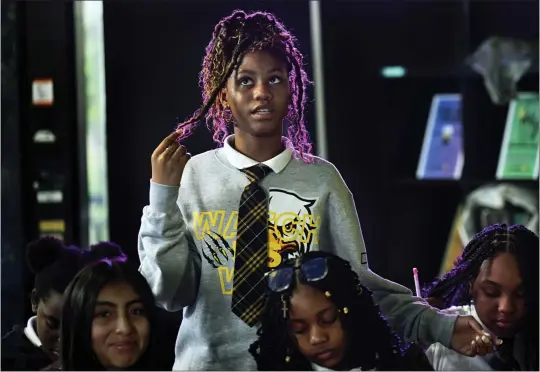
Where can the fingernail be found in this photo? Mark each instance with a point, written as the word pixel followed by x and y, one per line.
pixel 473 342
pixel 487 334
pixel 499 341
pixel 477 338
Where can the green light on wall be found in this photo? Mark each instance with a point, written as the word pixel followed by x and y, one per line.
pixel 393 72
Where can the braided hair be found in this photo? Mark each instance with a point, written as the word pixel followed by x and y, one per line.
pixel 372 343
pixel 233 37
pixel 452 289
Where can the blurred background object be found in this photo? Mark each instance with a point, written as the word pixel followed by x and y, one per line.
pixel 488 205
pixel 502 62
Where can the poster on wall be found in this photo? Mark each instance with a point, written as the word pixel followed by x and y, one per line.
pixel 442 150
pixel 490 204
pixel 519 154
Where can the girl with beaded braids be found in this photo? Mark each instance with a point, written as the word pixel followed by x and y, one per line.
pixel 319 316
pixel 253 81
pixel 495 280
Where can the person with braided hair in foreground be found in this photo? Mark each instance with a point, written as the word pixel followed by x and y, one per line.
pixel 36 346
pixel 495 280
pixel 319 316
pixel 218 221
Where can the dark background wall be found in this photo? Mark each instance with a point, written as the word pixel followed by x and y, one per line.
pixel 376 125
pixel 12 231
pixel 38 42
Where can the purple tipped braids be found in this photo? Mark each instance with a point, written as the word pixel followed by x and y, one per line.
pixel 233 37
pixel 453 287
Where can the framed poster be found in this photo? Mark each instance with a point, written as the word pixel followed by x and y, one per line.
pixel 442 150
pixel 518 158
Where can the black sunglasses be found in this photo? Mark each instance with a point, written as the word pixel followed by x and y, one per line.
pixel 313 270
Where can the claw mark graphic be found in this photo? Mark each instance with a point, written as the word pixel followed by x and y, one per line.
pixel 217 251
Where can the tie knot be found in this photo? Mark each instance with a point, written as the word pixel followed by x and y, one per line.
pixel 257 172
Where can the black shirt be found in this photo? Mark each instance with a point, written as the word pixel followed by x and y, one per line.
pixel 20 354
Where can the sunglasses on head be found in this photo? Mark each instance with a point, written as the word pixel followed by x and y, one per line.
pixel 313 270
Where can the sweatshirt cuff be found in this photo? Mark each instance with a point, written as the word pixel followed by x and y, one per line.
pixel 162 197
pixel 442 326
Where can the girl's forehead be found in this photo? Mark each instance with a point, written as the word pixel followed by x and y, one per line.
pixel 261 60
pixel 308 301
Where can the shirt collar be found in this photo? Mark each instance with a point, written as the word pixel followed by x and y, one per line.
pixel 30 332
pixel 241 161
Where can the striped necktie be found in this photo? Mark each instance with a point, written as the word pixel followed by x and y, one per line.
pixel 251 258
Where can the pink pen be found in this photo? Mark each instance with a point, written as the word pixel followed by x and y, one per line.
pixel 416 282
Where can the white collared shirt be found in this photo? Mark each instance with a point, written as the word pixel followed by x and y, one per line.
pixel 30 331
pixel 241 161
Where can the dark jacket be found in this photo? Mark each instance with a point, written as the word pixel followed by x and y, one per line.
pixel 20 354
pixel 414 359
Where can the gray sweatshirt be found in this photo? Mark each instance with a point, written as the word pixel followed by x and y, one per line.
pixel 187 241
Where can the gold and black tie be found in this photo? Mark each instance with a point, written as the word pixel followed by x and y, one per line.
pixel 251 258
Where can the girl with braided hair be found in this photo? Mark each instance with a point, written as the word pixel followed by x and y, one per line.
pixel 215 224
pixel 319 316
pixel 495 280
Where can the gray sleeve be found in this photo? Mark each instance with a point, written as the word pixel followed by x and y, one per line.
pixel 410 316
pixel 169 259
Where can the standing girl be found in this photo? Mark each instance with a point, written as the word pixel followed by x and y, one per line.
pixel 215 224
